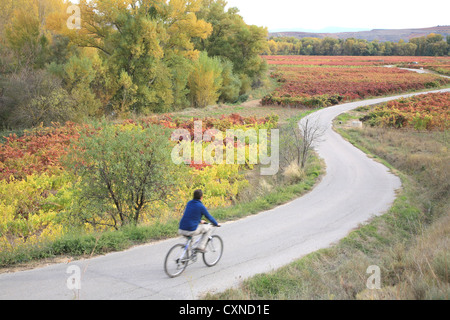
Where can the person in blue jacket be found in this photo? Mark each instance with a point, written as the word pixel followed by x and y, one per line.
pixel 191 223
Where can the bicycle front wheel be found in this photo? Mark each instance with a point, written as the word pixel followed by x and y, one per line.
pixel 214 250
pixel 176 260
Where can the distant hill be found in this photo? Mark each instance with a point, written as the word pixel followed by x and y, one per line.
pixel 393 35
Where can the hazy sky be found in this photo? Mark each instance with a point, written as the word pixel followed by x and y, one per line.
pixel 318 14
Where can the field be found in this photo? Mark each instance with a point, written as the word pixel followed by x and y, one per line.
pixel 438 64
pixel 313 81
pixel 424 112
pixel 355 60
pixel 40 176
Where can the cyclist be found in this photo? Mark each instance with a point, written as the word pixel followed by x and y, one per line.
pixel 191 223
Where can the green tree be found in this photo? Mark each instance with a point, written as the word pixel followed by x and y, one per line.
pixel 231 84
pixel 79 74
pixel 326 46
pixel 348 47
pixel 205 81
pixel 421 44
pixel 122 169
pixel 180 68
pixel 448 44
pixel 234 40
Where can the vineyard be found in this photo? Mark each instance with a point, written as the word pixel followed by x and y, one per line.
pixel 41 176
pixel 324 81
pixel 356 60
pixel 423 112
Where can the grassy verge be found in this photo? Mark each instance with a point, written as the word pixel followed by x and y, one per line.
pixel 409 243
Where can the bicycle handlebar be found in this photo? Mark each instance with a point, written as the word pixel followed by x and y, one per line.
pixel 204 222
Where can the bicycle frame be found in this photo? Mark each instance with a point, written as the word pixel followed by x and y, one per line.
pixel 189 242
pixel 188 248
pixel 186 254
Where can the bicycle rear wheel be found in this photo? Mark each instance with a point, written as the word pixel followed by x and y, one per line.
pixel 214 250
pixel 176 260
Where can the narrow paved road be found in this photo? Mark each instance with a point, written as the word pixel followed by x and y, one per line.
pixel 354 189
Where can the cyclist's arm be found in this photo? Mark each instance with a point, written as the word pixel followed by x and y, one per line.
pixel 209 217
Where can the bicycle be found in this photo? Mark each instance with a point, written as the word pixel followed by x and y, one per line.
pixel 181 255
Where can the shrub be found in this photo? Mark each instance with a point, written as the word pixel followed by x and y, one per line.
pixel 29 209
pixel 31 97
pixel 422 112
pixel 122 169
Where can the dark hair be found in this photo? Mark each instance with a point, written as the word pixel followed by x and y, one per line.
pixel 198 194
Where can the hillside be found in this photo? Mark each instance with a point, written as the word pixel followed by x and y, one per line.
pixel 393 35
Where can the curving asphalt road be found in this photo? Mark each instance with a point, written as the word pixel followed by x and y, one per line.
pixel 354 189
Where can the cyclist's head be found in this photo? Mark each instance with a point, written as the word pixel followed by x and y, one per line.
pixel 198 194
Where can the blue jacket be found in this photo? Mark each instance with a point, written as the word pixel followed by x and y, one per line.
pixel 193 215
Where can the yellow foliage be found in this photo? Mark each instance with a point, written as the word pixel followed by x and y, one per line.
pixel 220 184
pixel 28 211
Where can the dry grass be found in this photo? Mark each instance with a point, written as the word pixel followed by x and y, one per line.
pixel 422 155
pixel 293 173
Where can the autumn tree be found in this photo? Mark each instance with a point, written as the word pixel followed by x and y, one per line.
pixel 234 40
pixel 30 93
pixel 231 83
pixel 23 29
pixel 205 81
pixel 144 45
pixel 79 75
